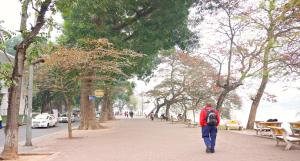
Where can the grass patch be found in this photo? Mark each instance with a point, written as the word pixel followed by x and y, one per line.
pixel 221 127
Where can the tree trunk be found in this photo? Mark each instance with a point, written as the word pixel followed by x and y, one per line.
pixel 265 78
pixel 221 99
pixel 168 111
pixel 184 113
pixel 263 84
pixel 105 111
pixel 111 115
pixel 68 104
pixel 28 141
pixel 157 111
pixel 158 108
pixel 10 150
pixel 88 116
pixel 255 103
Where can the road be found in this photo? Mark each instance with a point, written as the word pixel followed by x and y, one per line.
pixel 37 132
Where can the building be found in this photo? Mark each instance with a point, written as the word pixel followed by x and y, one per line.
pixel 7 58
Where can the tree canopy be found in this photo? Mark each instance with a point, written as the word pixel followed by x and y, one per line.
pixel 145 26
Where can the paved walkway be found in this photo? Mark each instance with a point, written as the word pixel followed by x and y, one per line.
pixel 144 140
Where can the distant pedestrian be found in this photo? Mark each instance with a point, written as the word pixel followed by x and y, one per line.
pixel 179 116
pixel 126 114
pixel 209 120
pixel 0 122
pixel 131 114
pixel 151 116
pixel 163 117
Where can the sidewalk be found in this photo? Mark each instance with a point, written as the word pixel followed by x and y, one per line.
pixel 144 140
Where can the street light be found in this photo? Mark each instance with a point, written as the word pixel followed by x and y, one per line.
pixel 29 112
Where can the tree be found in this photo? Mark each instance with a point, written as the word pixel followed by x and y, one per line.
pixel 233 49
pixel 10 150
pixel 120 90
pixel 54 78
pixel 280 31
pixel 94 60
pixel 11 43
pixel 5 68
pixel 144 26
pixel 188 81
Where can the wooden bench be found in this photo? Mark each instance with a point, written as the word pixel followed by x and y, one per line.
pixel 260 129
pixel 263 128
pixel 233 124
pixel 280 134
pixel 295 128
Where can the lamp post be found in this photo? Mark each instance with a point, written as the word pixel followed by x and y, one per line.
pixel 29 110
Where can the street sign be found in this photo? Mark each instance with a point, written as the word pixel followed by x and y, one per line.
pixel 92 98
pixel 99 93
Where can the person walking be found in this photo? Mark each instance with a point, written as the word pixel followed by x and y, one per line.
pixel 0 122
pixel 131 114
pixel 209 121
pixel 151 115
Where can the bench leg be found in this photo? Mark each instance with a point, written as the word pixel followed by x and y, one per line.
pixel 288 146
pixel 277 142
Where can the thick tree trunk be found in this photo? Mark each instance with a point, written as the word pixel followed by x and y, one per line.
pixel 88 116
pixel 111 115
pixel 104 109
pixel 10 150
pixel 105 113
pixel 158 107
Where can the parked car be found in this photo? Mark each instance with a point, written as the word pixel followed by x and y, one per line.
pixel 64 118
pixel 44 120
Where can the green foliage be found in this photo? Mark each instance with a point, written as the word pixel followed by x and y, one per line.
pixel 4 35
pixel 38 48
pixel 5 73
pixel 145 26
pixel 10 44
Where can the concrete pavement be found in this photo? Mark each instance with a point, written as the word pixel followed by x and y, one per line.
pixel 145 140
pixel 36 132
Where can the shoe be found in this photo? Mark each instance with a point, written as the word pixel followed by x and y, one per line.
pixel 208 150
pixel 212 150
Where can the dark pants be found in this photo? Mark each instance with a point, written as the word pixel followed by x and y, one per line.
pixel 0 124
pixel 209 134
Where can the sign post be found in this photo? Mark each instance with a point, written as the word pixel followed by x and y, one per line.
pixel 99 93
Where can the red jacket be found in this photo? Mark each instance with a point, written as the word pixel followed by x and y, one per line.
pixel 204 113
